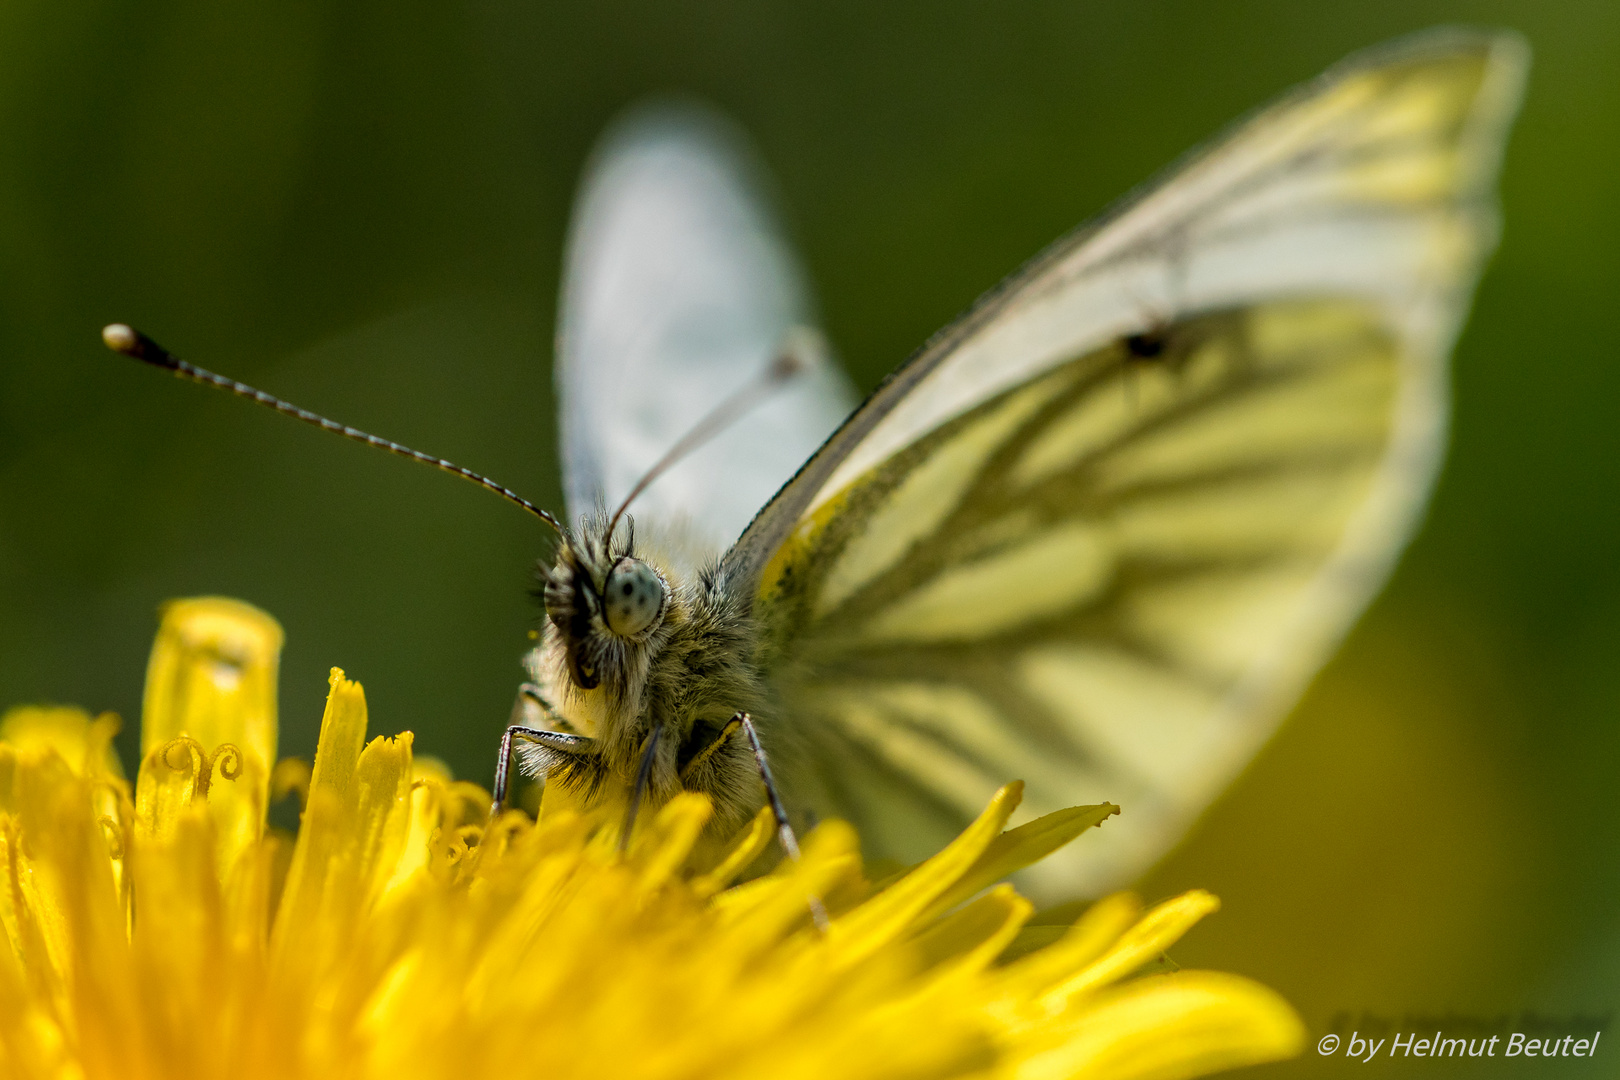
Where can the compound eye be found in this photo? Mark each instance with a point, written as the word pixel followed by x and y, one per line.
pixel 633 598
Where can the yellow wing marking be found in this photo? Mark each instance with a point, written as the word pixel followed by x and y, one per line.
pixel 929 493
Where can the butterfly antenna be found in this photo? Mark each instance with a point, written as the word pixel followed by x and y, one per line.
pixel 132 343
pixel 800 351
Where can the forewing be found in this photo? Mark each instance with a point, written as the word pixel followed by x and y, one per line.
pixel 679 288
pixel 1099 534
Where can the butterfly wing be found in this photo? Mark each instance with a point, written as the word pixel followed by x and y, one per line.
pixel 1099 534
pixel 679 288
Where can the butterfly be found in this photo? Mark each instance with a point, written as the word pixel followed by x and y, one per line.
pixel 1095 535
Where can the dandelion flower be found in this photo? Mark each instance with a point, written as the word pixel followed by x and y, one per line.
pixel 165 931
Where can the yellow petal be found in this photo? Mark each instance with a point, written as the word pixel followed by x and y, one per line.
pixel 430 818
pixel 353 829
pixel 212 678
pixel 71 920
pixel 85 744
pixel 747 847
pixel 1145 941
pixel 760 912
pixel 169 782
pixel 1017 848
pixel 973 937
pixel 897 908
pixel 666 845
pixel 1098 929
pixel 1167 1027
pixel 181 928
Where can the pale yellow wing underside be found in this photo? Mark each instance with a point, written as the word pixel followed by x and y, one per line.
pixel 1108 569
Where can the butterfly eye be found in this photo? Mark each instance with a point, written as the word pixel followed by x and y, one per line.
pixel 633 598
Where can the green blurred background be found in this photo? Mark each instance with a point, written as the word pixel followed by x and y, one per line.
pixel 362 206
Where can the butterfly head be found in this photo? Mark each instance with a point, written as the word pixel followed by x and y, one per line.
pixel 605 603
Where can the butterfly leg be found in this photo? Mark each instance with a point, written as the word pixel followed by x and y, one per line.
pixel 533 720
pixel 567 750
pixel 649 751
pixel 784 828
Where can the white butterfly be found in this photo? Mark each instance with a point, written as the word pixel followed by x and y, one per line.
pixel 1097 535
